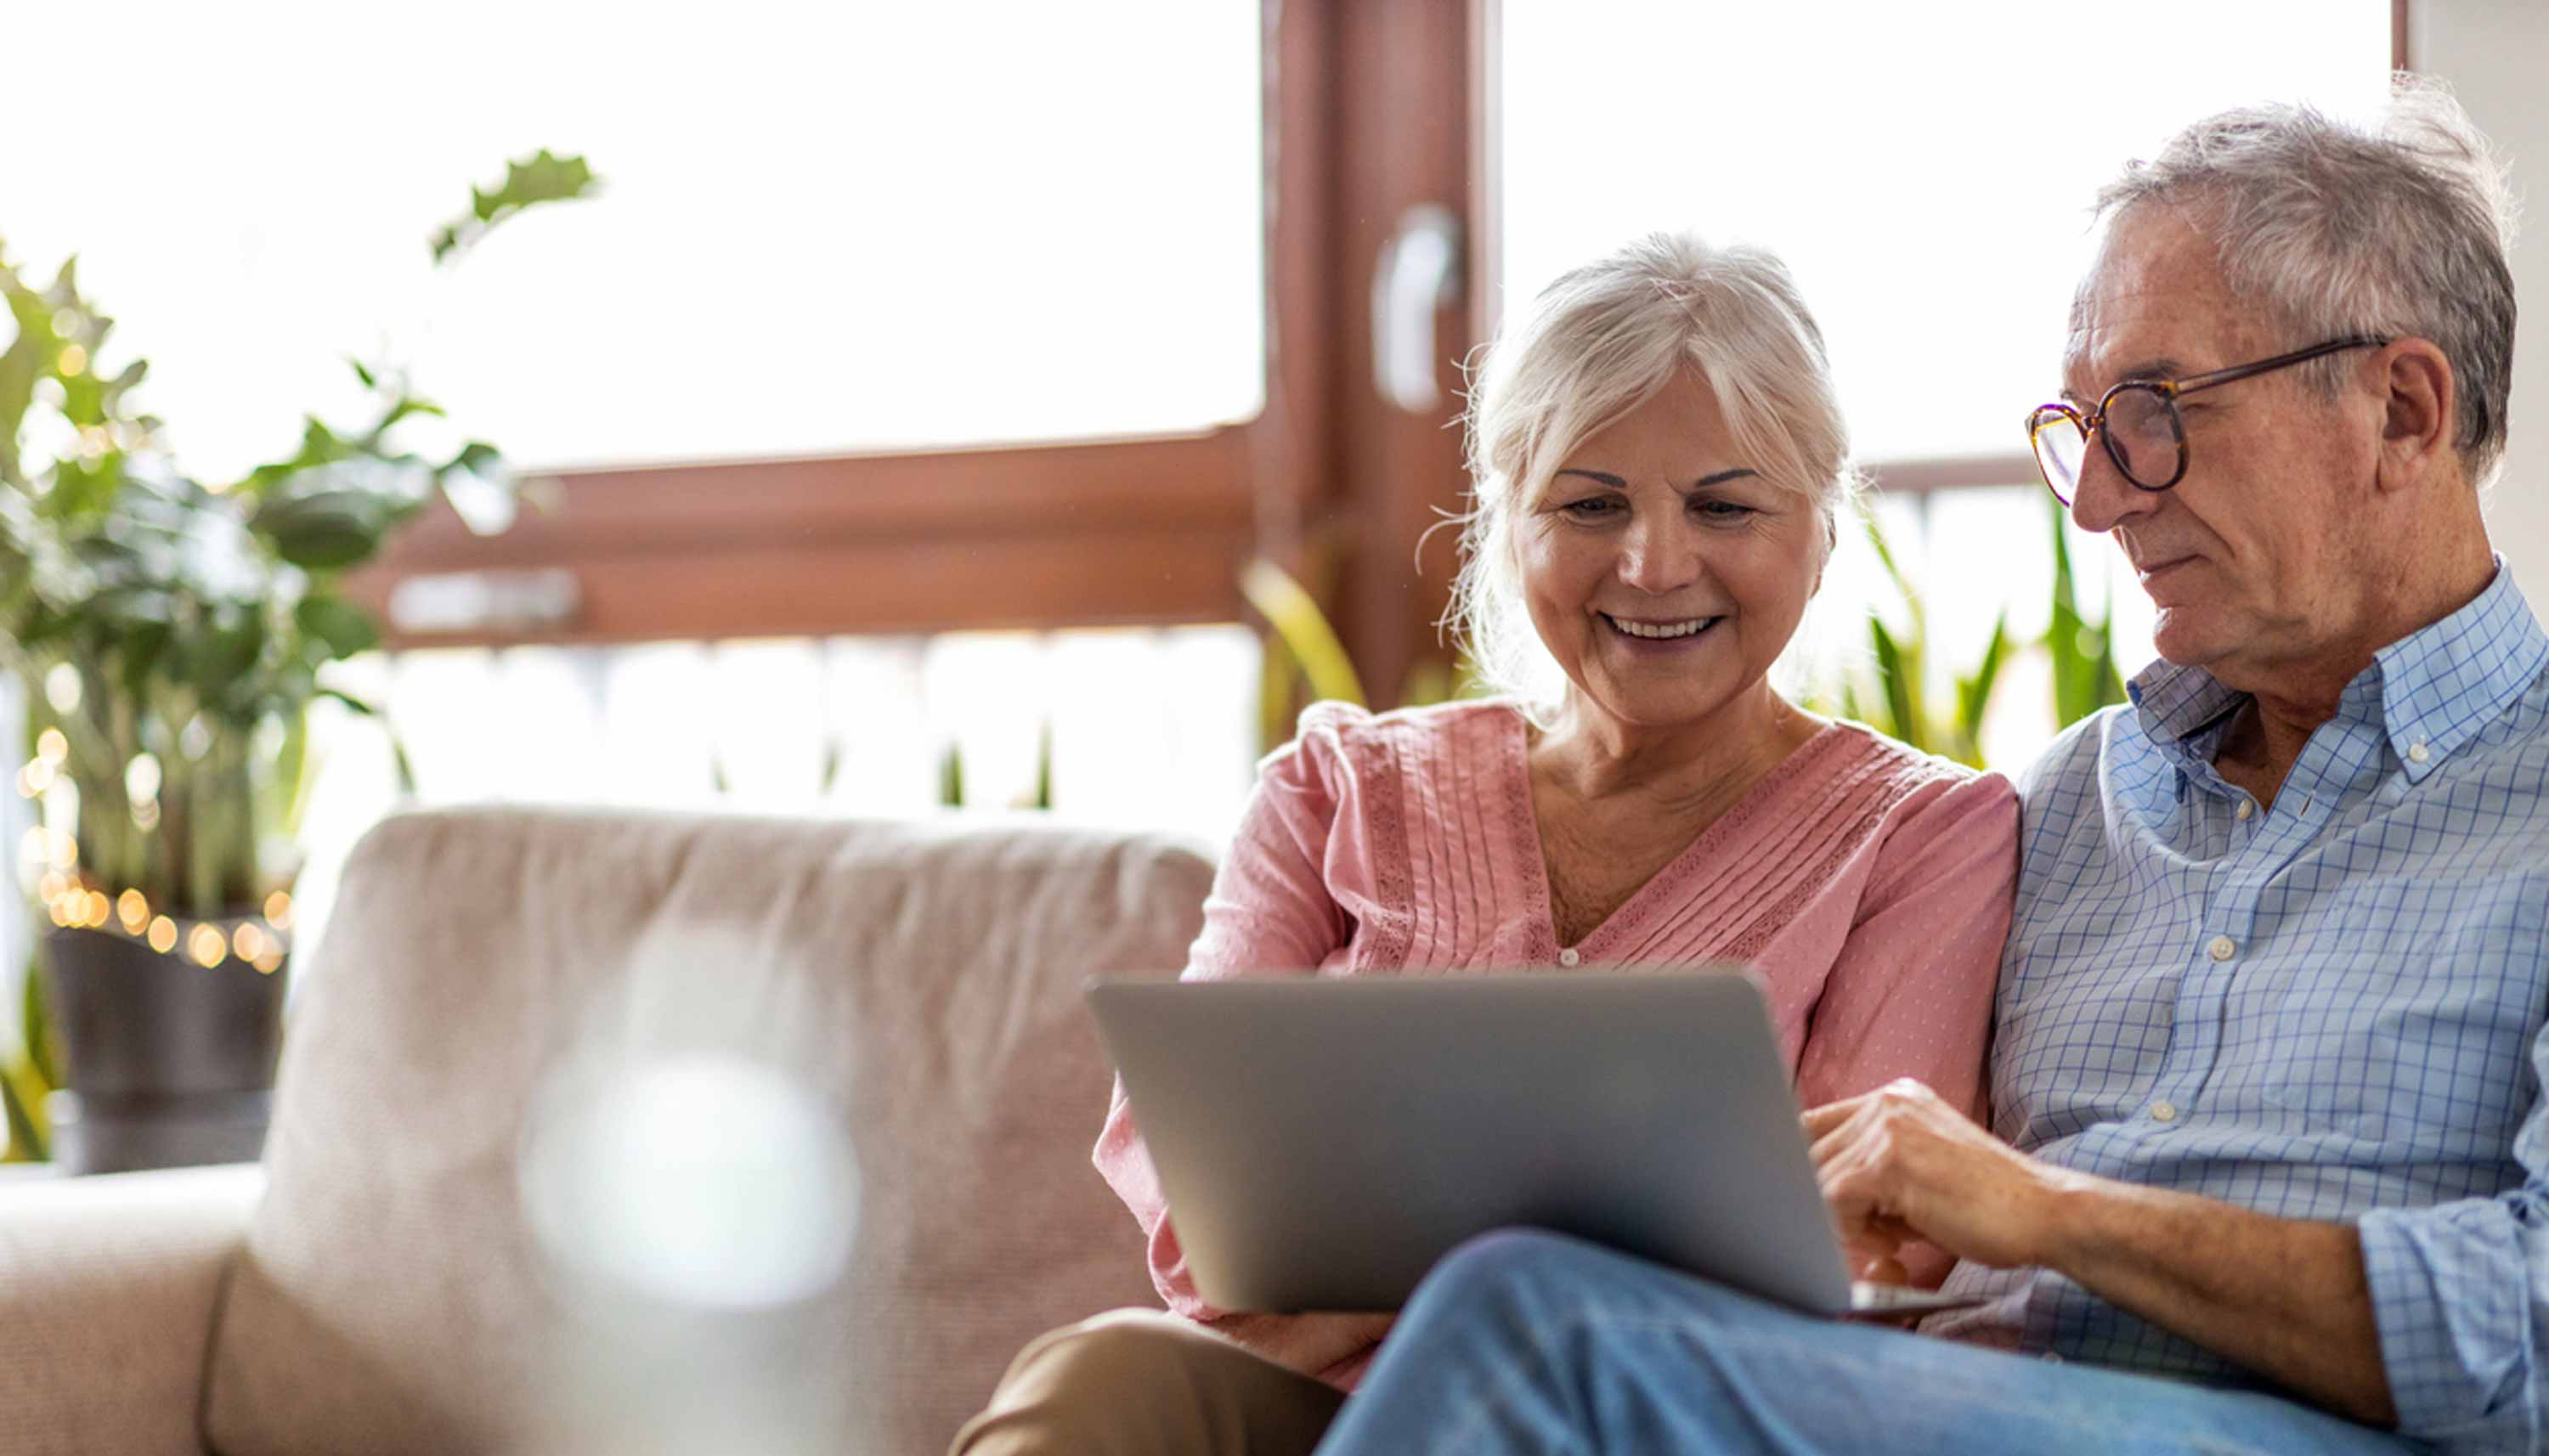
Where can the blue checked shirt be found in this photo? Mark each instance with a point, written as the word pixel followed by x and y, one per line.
pixel 2330 1009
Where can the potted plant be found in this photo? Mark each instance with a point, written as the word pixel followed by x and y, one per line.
pixel 169 636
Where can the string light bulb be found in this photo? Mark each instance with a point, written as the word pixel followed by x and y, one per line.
pixel 206 945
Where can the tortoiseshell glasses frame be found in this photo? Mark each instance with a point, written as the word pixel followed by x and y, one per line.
pixel 2138 419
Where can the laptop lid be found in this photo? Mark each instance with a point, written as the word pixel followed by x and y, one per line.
pixel 1322 1143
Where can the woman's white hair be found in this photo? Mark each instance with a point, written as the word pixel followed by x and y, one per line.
pixel 2398 229
pixel 1598 342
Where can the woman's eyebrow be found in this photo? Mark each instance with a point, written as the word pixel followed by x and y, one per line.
pixel 1701 484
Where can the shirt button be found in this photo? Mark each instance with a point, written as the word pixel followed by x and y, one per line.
pixel 2163 1111
pixel 2222 947
pixel 1569 957
pixel 2417 751
pixel 2247 807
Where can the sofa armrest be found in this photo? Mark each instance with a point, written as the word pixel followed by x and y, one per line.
pixel 107 1292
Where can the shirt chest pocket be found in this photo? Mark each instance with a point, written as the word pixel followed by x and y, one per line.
pixel 2080 1048
pixel 2408 1011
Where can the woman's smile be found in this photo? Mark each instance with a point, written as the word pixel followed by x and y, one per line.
pixel 1661 632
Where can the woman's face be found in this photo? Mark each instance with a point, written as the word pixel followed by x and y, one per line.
pixel 1663 572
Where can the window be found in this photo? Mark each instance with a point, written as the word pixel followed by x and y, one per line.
pixel 1927 178
pixel 824 229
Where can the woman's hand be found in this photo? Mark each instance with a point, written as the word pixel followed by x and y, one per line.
pixel 1308 1344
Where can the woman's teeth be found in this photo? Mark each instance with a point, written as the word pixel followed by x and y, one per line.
pixel 1662 629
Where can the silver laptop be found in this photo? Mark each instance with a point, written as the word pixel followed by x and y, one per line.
pixel 1321 1142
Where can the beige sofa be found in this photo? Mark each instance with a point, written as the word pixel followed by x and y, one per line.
pixel 373 1287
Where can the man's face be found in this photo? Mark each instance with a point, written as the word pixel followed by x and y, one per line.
pixel 2255 558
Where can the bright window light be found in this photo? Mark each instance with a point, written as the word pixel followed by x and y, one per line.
pixel 826 229
pixel 1926 171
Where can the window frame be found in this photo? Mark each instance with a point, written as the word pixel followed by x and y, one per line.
pixel 1371 109
pixel 1327 481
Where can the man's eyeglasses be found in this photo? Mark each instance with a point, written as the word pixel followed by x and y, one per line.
pixel 2139 422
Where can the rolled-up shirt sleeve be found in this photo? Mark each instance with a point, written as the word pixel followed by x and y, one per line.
pixel 2460 1293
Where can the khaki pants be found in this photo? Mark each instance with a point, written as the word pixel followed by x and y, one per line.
pixel 1142 1383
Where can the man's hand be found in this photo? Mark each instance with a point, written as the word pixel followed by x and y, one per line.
pixel 1900 1164
pixel 2286 1297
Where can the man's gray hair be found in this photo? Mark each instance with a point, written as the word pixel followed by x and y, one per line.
pixel 1594 345
pixel 2396 228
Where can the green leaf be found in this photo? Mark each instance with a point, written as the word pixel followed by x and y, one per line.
pixel 1043 797
pixel 407 409
pixel 215 660
pixel 340 626
pixel 364 374
pixel 1902 692
pixel 30 357
pixel 1973 694
pixel 36 1032
pixel 531 182
pixel 25 1142
pixel 475 458
pixel 326 528
pixel 1306 631
pixel 1275 708
pixel 2083 655
pixel 404 766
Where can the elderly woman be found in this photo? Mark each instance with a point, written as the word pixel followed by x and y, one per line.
pixel 1661 469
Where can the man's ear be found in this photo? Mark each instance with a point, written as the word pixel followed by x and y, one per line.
pixel 2420 413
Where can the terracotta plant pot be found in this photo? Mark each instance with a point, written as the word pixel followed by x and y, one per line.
pixel 168 1062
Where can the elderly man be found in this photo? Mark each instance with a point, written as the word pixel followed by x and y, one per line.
pixel 2272 1171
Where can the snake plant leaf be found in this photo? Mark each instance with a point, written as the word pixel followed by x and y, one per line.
pixel 1276 672
pixel 1294 616
pixel 2085 678
pixel 27 1142
pixel 1041 796
pixel 35 1036
pixel 1902 691
pixel 1973 694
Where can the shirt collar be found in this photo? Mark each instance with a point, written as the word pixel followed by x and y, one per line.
pixel 2431 690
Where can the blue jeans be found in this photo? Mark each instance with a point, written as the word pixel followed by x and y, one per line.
pixel 1529 1342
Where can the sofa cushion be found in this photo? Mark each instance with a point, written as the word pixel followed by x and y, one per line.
pixel 922 979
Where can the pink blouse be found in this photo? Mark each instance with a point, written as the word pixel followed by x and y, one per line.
pixel 1869 883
